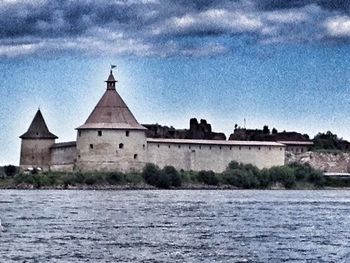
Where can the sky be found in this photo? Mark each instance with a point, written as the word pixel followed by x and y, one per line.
pixel 285 64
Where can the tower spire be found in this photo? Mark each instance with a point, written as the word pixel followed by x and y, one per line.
pixel 111 112
pixel 111 81
pixel 38 129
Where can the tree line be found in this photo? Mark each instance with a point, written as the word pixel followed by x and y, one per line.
pixel 236 175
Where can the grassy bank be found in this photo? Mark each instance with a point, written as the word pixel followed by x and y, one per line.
pixel 236 176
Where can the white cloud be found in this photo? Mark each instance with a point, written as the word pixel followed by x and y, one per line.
pixel 338 26
pixel 86 44
pixel 213 20
pixel 19 50
pixel 289 16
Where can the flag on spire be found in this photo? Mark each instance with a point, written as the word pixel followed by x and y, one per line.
pixel 113 66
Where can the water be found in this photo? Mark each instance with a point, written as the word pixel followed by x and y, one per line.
pixel 175 226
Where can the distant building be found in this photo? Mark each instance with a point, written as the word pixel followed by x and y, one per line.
pixel 295 142
pixel 111 139
pixel 201 130
pixel 297 146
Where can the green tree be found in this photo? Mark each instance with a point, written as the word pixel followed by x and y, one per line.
pixel 154 176
pixel 284 175
pixel 266 130
pixel 301 171
pixel 207 177
pixel 317 178
pixel 114 178
pixel 264 178
pixel 240 178
pixel 91 180
pixel 10 170
pixel 173 175
pixel 327 141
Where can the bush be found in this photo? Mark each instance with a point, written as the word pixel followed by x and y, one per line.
pixel 316 178
pixel 231 177
pixel 78 178
pixel 114 178
pixel 68 180
pixel 19 178
pixel 10 170
pixel 151 173
pixel 250 168
pixel 304 172
pixel 207 177
pixel 264 178
pixel 189 176
pixel 48 179
pixel 154 176
pixel 163 182
pixel 337 182
pixel 91 180
pixel 133 178
pixel 233 165
pixel 240 178
pixel 247 167
pixel 37 180
pixel 242 175
pixel 28 179
pixel 301 171
pixel 173 176
pixel 284 175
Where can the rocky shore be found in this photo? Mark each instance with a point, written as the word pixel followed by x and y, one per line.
pixel 327 161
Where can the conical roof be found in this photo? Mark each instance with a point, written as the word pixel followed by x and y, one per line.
pixel 38 129
pixel 111 112
pixel 111 78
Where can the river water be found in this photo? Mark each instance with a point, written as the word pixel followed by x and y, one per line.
pixel 174 226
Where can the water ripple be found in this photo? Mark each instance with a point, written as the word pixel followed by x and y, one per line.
pixel 174 226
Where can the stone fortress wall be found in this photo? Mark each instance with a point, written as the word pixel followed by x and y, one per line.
pixel 111 139
pixel 199 155
pixel 63 156
pixel 195 155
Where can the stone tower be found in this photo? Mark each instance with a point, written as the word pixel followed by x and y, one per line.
pixel 36 144
pixel 111 138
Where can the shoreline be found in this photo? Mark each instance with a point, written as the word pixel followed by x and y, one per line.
pixel 148 188
pixel 118 187
pixel 236 176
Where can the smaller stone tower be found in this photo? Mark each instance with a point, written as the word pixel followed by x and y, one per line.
pixel 36 144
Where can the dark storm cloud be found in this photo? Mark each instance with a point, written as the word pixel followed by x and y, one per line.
pixel 338 5
pixel 65 17
pixel 162 28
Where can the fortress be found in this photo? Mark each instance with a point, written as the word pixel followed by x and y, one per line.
pixel 112 140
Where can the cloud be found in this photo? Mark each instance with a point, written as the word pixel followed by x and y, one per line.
pixel 330 5
pixel 165 28
pixel 338 26
pixel 210 22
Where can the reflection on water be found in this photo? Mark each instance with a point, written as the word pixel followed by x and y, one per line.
pixel 175 226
